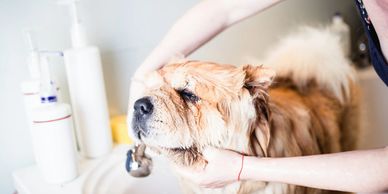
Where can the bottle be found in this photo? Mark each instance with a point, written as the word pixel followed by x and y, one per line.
pixel 87 91
pixel 30 88
pixel 53 133
pixel 342 29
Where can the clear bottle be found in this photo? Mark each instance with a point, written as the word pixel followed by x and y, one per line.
pixel 87 91
pixel 53 133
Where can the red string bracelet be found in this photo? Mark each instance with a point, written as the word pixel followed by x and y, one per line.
pixel 242 166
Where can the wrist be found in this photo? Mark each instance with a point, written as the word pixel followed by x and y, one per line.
pixel 241 167
pixel 246 171
pixel 253 168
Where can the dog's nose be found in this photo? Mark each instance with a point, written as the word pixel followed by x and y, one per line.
pixel 143 109
pixel 143 106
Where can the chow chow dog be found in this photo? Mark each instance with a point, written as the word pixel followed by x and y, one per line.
pixel 304 100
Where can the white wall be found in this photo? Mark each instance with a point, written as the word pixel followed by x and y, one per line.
pixel 125 30
pixel 374 112
pixel 255 36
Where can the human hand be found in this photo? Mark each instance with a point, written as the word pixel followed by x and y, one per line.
pixel 223 168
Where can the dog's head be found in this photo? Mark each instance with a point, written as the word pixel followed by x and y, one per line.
pixel 191 105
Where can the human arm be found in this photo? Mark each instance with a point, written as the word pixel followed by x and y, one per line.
pixel 196 27
pixel 355 171
pixel 199 25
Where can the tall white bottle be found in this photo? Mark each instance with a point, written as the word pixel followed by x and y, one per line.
pixel 52 133
pixel 87 92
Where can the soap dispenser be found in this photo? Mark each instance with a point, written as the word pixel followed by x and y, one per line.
pixel 52 133
pixel 30 88
pixel 87 90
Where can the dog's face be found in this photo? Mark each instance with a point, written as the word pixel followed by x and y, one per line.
pixel 191 105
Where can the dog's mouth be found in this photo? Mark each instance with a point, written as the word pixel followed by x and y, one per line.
pixel 186 156
pixel 180 154
pixel 181 150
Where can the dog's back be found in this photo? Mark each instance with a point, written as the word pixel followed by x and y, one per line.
pixel 314 100
pixel 313 64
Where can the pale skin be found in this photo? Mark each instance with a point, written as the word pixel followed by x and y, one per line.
pixel 356 171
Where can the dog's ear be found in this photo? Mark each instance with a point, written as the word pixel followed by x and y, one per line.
pixel 257 80
pixel 258 76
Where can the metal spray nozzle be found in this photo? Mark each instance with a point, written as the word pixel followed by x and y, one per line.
pixel 138 164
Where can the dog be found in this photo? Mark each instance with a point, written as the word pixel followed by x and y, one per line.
pixel 304 101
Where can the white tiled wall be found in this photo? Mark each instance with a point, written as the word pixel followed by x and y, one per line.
pixel 125 31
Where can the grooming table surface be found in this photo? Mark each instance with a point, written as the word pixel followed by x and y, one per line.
pixel 101 176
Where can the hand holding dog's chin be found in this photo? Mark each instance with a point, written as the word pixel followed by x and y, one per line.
pixel 222 168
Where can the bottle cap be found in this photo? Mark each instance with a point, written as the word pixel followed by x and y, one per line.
pixel 77 31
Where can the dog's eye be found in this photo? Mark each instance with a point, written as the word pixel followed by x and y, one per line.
pixel 188 96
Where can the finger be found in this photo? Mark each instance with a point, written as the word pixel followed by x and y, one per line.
pixel 207 185
pixel 219 185
pixel 213 185
pixel 223 184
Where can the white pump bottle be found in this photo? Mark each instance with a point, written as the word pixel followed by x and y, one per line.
pixel 52 133
pixel 87 91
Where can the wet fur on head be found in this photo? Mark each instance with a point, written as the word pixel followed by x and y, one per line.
pixel 248 110
pixel 232 103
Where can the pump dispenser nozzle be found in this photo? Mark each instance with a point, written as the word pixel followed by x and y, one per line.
pixel 48 92
pixel 33 55
pixel 77 31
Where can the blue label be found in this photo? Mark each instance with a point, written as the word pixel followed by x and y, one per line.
pixel 48 99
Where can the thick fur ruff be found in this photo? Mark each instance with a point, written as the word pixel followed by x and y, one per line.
pixel 310 107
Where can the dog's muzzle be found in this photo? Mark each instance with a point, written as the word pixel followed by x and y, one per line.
pixel 143 109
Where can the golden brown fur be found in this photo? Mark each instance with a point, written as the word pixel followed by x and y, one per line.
pixel 198 104
pixel 285 122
